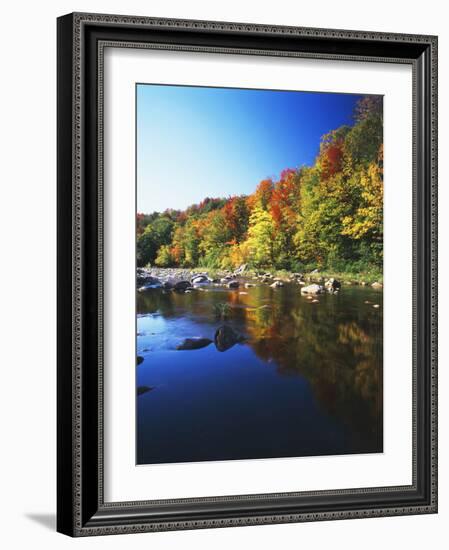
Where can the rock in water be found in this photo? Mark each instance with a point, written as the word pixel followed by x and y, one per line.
pixel 144 389
pixel 233 284
pixel 198 279
pixel 240 269
pixel 150 283
pixel 194 343
pixel 377 285
pixel 182 286
pixel 226 337
pixel 143 277
pixel 312 289
pixel 277 284
pixel 332 285
pixel 139 360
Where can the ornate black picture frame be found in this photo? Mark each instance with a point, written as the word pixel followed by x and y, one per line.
pixel 81 510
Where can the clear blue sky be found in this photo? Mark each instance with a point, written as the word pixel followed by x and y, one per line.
pixel 195 142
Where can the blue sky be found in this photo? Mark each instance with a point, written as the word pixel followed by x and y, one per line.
pixel 194 142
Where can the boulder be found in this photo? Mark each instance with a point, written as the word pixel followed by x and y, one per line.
pixel 155 283
pixel 139 359
pixel 249 285
pixel 143 276
pixel 240 269
pixel 312 289
pixel 182 286
pixel 194 343
pixel 377 285
pixel 201 278
pixel 226 337
pixel 277 284
pixel 144 389
pixel 233 284
pixel 332 285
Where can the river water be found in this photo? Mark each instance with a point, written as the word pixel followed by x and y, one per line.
pixel 298 379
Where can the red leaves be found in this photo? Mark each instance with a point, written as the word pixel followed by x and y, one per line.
pixel 285 198
pixel 332 160
pixel 262 194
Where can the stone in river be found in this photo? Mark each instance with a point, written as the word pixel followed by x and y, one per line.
pixel 182 286
pixel 143 277
pixel 312 289
pixel 240 269
pixel 150 284
pixel 199 279
pixel 140 359
pixel 377 285
pixel 233 284
pixel 144 389
pixel 226 337
pixel 194 343
pixel 332 285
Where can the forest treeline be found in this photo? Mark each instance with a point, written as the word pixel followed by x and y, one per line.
pixel 328 215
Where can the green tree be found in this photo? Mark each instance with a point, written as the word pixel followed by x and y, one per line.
pixel 156 234
pixel 164 256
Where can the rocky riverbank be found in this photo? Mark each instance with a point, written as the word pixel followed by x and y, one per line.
pixel 187 280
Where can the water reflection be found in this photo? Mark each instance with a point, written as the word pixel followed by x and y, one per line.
pixel 328 352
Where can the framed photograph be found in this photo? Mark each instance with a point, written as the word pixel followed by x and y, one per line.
pixel 246 274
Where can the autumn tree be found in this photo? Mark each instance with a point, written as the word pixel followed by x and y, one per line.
pixel 261 237
pixel 328 215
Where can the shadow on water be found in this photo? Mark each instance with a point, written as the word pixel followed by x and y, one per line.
pixel 286 377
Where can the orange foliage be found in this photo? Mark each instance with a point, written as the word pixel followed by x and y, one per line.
pixel 284 199
pixel 332 159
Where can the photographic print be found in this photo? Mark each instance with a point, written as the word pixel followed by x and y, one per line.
pixel 259 276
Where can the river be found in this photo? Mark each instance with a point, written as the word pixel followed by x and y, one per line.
pixel 302 378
